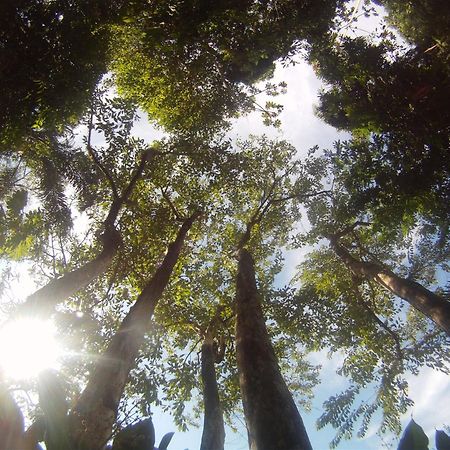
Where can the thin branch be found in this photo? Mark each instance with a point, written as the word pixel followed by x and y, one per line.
pixel 96 159
pixel 63 253
pixel 347 230
pixel 301 196
pixel 119 200
pixel 147 155
pixel 383 325
pixel 179 217
pixel 192 350
pixel 363 250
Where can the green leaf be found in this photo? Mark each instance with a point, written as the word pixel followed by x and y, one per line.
pixel 165 441
pixel 442 440
pixel 413 438
pixel 18 201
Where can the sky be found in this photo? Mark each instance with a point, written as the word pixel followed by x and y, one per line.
pixel 430 390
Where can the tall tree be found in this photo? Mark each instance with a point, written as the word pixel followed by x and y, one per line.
pixel 102 119
pixel 92 418
pixel 272 417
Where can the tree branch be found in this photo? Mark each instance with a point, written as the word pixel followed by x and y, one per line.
pixel 383 325
pixel 179 217
pixel 93 154
pixel 336 236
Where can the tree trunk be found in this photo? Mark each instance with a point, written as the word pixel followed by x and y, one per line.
pixel 213 436
pixel 91 420
pixel 45 299
pixel 273 421
pixel 433 306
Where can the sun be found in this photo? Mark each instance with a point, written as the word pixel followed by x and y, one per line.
pixel 28 346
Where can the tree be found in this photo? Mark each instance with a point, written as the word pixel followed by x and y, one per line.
pixel 380 341
pixel 393 102
pixel 213 436
pixel 432 305
pixel 187 63
pixel 59 289
pixel 53 54
pixel 339 307
pixel 272 418
pixel 95 413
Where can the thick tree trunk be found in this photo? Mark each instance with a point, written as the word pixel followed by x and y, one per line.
pixel 213 436
pixel 433 306
pixel 273 421
pixel 92 419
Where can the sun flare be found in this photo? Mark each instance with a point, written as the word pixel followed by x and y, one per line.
pixel 28 346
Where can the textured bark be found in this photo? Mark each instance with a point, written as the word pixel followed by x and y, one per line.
pixel 213 436
pixel 433 306
pixel 273 421
pixel 92 419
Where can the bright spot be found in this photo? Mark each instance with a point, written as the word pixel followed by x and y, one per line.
pixel 28 346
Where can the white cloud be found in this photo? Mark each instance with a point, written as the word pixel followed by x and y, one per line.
pixel 431 394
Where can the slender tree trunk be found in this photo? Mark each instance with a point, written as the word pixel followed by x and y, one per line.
pixel 45 299
pixel 273 421
pixel 433 306
pixel 213 436
pixel 91 420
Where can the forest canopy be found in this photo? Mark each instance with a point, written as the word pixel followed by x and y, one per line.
pixel 159 264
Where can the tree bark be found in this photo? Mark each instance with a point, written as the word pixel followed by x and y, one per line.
pixel 91 420
pixel 432 305
pixel 46 298
pixel 273 421
pixel 213 436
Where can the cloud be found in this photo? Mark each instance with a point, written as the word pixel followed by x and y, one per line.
pixel 431 394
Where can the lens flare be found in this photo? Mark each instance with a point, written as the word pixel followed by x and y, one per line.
pixel 28 346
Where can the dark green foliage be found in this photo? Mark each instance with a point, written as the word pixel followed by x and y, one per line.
pixel 442 440
pixel 139 436
pixel 413 438
pixel 395 104
pixel 52 55
pixel 422 22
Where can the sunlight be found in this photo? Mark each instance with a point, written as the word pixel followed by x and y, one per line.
pixel 28 346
